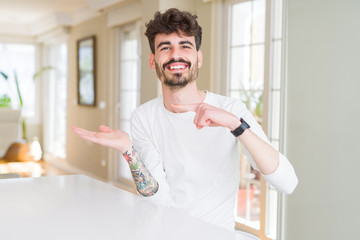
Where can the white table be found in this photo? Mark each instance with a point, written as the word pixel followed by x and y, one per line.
pixel 79 207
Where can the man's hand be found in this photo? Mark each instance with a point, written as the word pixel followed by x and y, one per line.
pixel 108 137
pixel 209 116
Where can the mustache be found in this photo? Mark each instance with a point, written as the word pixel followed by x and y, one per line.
pixel 174 61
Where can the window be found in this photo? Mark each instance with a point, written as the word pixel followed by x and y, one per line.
pixel 19 58
pixel 246 81
pixel 54 104
pixel 128 87
pixel 254 74
pixel 275 201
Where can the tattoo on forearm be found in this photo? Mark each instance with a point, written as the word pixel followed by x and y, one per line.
pixel 145 182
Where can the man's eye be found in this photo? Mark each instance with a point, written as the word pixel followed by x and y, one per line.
pixel 165 48
pixel 184 46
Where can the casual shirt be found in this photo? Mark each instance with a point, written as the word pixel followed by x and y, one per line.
pixel 198 169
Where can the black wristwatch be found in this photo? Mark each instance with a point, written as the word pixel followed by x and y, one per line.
pixel 241 129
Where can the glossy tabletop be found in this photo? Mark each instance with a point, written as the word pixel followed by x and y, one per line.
pixel 80 207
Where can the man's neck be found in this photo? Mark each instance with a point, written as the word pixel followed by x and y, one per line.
pixel 186 95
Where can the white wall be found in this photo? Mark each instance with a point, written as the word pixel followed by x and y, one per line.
pixel 323 118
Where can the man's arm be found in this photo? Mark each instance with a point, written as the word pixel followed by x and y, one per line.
pixel 146 185
pixel 267 160
pixel 151 156
pixel 264 155
pixel 273 165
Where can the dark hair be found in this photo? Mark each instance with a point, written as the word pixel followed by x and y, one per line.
pixel 172 21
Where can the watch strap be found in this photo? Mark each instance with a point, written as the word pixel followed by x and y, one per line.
pixel 241 129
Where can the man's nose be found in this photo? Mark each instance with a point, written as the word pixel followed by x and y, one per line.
pixel 176 53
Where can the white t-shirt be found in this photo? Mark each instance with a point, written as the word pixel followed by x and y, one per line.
pixel 198 170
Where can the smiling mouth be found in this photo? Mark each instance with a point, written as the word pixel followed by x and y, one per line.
pixel 173 65
pixel 176 67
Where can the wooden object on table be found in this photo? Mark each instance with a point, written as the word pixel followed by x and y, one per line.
pixel 19 159
pixel 18 152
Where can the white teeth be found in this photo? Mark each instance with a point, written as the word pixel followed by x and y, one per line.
pixel 177 67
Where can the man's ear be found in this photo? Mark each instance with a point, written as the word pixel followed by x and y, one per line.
pixel 152 61
pixel 200 58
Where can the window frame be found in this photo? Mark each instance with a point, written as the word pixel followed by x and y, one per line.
pixel 267 98
pixel 48 48
pixel 119 30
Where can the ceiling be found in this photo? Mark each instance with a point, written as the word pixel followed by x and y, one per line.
pixel 33 17
pixel 27 11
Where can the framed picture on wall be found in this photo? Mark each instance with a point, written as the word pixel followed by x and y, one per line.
pixel 86 66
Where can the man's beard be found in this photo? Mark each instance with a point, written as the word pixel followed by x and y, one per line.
pixel 177 80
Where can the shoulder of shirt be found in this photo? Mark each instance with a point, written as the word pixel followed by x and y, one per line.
pixel 224 102
pixel 149 106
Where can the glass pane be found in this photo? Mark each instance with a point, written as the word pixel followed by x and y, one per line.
pixel 278 18
pixel 272 210
pixel 128 103
pixel 128 93
pixel 241 23
pixel 257 105
pixel 248 203
pixel 55 98
pixel 257 67
pixel 129 46
pixel 129 75
pixel 60 99
pixel 275 115
pixel 239 75
pixel 253 101
pixel 277 65
pixel 19 58
pixel 247 98
pixel 258 23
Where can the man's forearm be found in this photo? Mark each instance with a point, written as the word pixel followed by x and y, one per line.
pixel 146 185
pixel 264 155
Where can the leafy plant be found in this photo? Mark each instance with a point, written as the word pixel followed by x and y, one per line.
pixel 41 71
pixel 3 75
pixel 259 106
pixel 7 100
pixel 18 89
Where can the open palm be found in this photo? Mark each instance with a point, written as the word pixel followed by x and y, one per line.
pixel 108 137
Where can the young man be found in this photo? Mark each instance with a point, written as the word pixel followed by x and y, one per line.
pixel 184 150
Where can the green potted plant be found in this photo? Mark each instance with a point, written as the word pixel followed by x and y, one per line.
pixel 5 101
